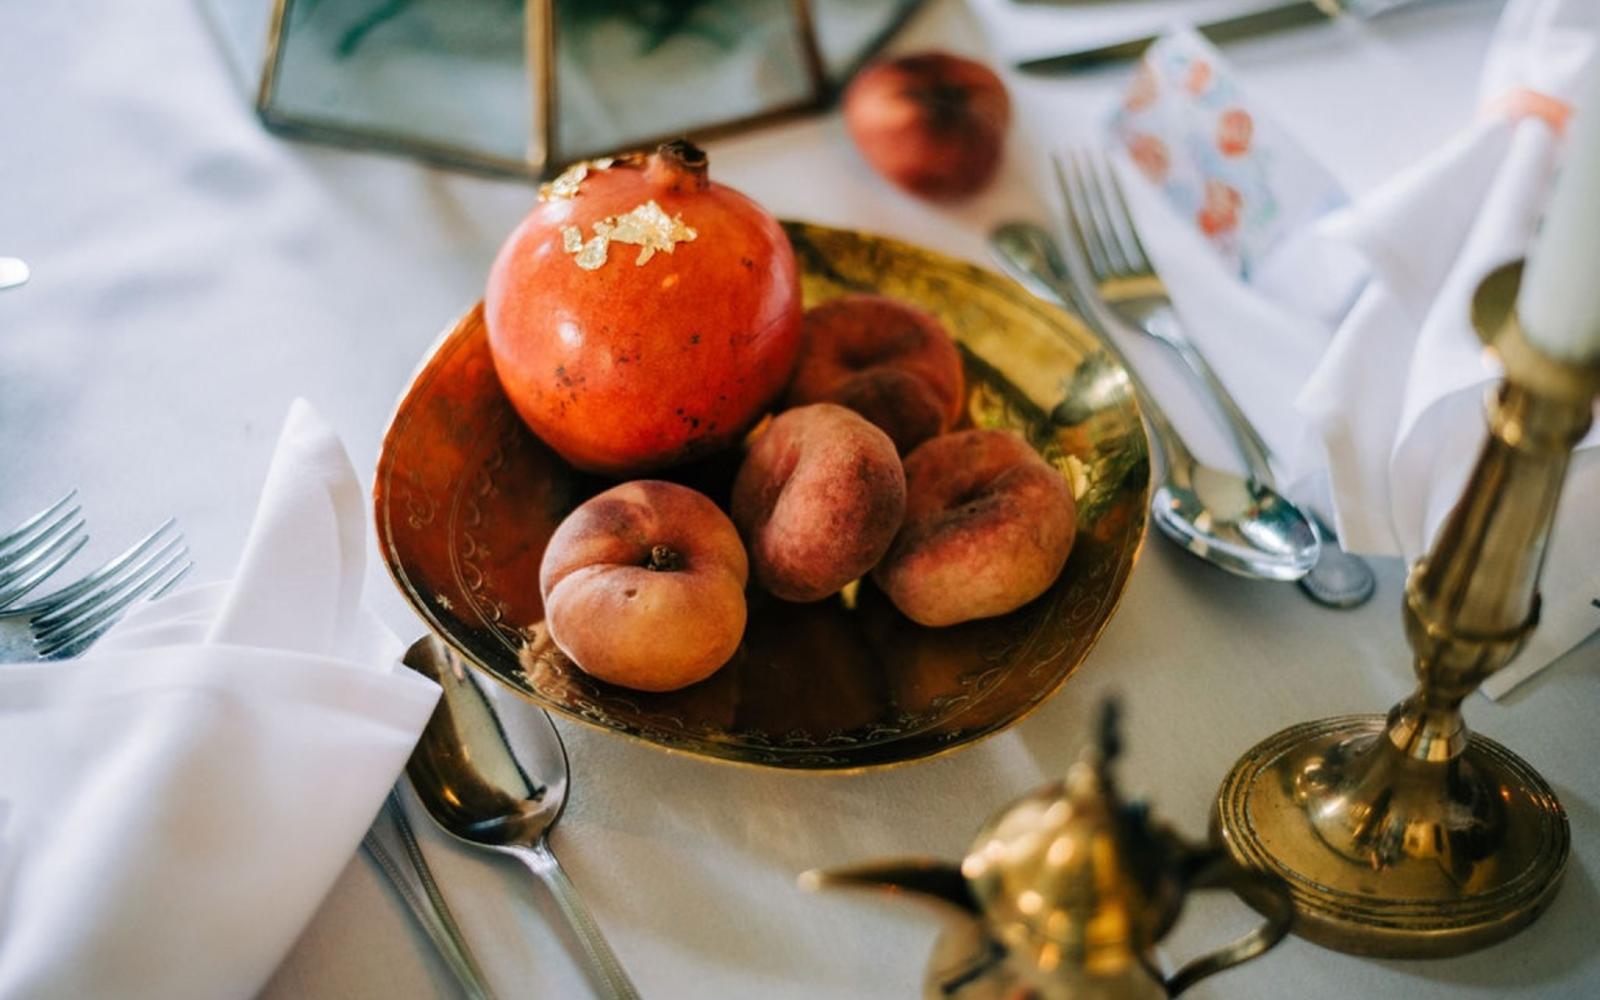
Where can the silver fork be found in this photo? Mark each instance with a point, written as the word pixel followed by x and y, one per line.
pixel 65 623
pixel 1133 290
pixel 38 547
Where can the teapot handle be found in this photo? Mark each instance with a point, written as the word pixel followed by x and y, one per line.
pixel 1212 868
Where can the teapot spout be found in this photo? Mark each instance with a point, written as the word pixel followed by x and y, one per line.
pixel 927 879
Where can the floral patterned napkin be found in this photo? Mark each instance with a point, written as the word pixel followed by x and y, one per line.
pixel 1246 183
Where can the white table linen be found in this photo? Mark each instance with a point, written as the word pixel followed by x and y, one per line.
pixel 193 274
pixel 175 805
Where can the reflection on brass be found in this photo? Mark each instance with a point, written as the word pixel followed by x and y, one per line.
pixel 1408 836
pixel 646 227
pixel 465 499
pixel 1064 894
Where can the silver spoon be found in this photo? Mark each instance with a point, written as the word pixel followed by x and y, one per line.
pixel 491 770
pixel 1238 525
pixel 13 272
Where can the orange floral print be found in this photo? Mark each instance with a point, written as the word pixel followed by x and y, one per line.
pixel 1150 155
pixel 1220 213
pixel 1199 77
pixel 1234 130
pixel 1143 90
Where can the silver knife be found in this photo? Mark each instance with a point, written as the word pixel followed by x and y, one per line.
pixel 413 880
pixel 1259 22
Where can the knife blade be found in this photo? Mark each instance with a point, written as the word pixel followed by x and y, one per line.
pixel 1292 14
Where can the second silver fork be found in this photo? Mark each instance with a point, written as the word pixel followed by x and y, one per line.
pixel 1131 288
pixel 65 623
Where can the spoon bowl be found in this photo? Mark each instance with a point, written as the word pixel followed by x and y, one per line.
pixel 1231 521
pixel 491 770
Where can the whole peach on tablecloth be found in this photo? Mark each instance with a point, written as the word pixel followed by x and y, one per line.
pixel 818 500
pixel 931 122
pixel 890 362
pixel 643 586
pixel 988 528
pixel 643 315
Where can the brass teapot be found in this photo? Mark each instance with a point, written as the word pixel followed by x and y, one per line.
pixel 1064 894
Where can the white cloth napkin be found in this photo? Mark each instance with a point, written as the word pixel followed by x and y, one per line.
pixel 1396 404
pixel 1377 416
pixel 175 805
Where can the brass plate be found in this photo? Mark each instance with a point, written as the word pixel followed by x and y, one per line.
pixel 466 498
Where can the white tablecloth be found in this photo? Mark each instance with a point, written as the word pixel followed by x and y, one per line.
pixel 193 273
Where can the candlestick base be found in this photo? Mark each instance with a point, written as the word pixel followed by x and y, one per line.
pixel 1389 855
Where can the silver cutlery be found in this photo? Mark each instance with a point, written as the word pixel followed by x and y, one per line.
pixel 413 879
pixel 40 545
pixel 491 770
pixel 1287 14
pixel 1240 526
pixel 1132 290
pixel 14 271
pixel 67 622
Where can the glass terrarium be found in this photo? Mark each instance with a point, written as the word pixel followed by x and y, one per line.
pixel 526 86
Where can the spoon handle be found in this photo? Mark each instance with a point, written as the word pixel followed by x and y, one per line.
pixel 604 967
pixel 1257 456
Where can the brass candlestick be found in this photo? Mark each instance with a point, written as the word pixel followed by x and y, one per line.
pixel 1408 836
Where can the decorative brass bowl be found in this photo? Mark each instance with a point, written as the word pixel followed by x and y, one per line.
pixel 466 498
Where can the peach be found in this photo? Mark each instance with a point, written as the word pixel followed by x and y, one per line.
pixel 891 363
pixel 988 528
pixel 931 122
pixel 643 586
pixel 818 500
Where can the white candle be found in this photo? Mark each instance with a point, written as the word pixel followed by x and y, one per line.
pixel 1560 300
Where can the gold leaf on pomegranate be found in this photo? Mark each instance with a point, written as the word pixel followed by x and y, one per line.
pixel 646 227
pixel 566 185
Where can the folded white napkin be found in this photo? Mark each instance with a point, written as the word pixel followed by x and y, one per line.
pixel 175 805
pixel 1396 404
pixel 1377 415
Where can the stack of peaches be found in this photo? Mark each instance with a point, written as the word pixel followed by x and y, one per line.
pixel 643 317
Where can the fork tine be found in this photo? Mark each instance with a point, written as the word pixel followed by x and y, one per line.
pixel 87 632
pixel 1127 232
pixel 15 589
pixel 41 534
pixel 109 604
pixel 84 634
pixel 155 582
pixel 58 600
pixel 50 622
pixel 1078 224
pixel 1100 211
pixel 42 548
pixel 11 536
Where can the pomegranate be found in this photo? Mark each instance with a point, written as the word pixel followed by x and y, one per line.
pixel 642 314
pixel 933 123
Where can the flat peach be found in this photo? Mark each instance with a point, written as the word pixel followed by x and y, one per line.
pixel 988 527
pixel 818 500
pixel 643 586
pixel 890 362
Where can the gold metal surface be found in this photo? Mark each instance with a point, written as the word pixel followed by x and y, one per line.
pixel 1064 893
pixel 465 499
pixel 1408 836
